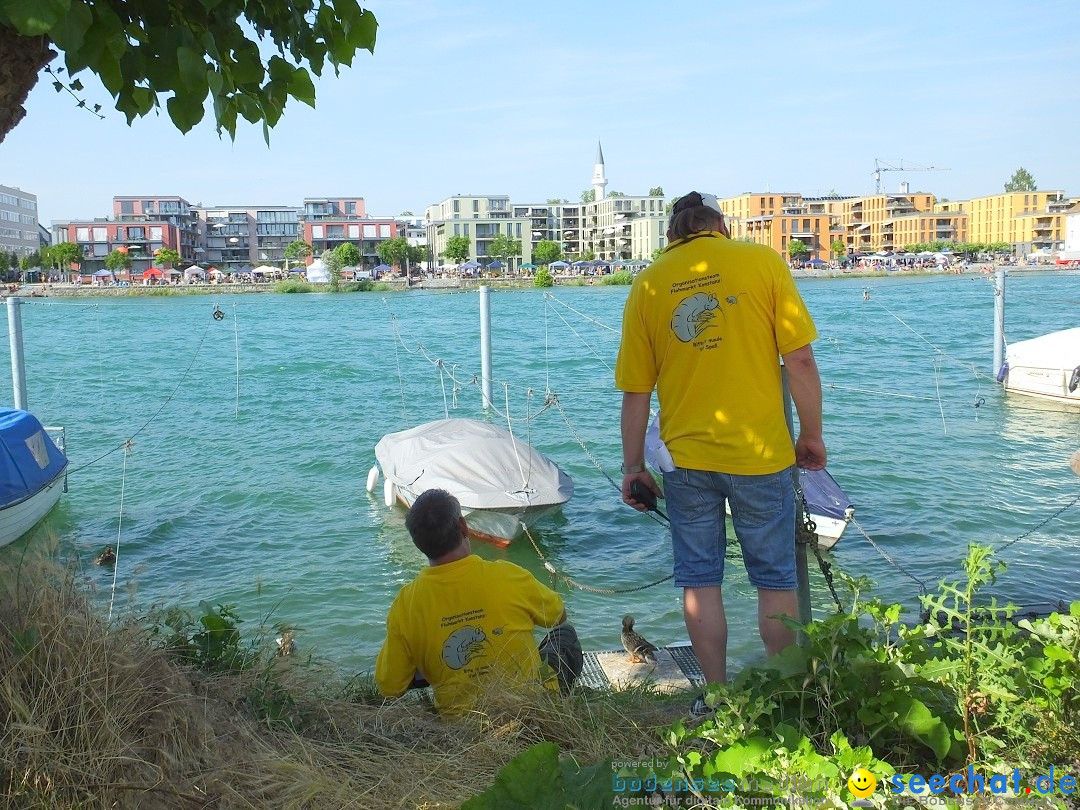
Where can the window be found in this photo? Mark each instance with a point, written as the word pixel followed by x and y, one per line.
pixel 127 206
pixel 101 234
pixel 457 205
pixel 148 206
pixel 316 231
pixel 517 230
pixel 369 231
pixel 384 231
pixel 783 226
pixel 465 232
pixel 806 226
pixel 475 205
pixel 155 233
pixel 354 231
pixel 350 208
pixel 82 234
pixel 456 230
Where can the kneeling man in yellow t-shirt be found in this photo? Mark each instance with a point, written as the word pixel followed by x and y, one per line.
pixel 466 623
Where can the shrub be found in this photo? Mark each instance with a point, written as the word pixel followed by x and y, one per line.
pixel 292 286
pixel 543 278
pixel 623 277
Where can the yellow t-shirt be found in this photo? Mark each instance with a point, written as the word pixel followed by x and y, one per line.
pixel 705 324
pixel 465 624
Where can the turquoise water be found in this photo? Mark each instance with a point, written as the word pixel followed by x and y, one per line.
pixel 248 488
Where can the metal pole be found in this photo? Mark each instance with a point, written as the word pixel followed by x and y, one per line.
pixel 802 575
pixel 999 320
pixel 15 338
pixel 485 344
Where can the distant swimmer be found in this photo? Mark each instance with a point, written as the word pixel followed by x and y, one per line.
pixel 866 294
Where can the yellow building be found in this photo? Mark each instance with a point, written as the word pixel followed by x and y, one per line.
pixel 870 222
pixel 778 219
pixel 923 227
pixel 1027 220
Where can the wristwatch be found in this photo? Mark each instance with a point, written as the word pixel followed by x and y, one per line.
pixel 630 469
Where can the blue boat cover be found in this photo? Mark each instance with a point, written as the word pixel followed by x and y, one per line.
pixel 28 458
pixel 823 495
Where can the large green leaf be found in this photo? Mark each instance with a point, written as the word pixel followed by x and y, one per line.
pixel 70 30
pixel 185 111
pixel 918 721
pixel 537 779
pixel 32 18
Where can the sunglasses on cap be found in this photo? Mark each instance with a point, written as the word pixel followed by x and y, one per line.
pixel 696 200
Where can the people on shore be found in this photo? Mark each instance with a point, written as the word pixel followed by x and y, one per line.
pixel 465 624
pixel 705 326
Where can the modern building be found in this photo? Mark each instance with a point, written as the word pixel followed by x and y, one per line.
pixel 235 237
pixel 480 218
pixel 175 211
pixel 1072 231
pixel 98 238
pixel 1029 221
pixel 777 219
pixel 18 222
pixel 624 227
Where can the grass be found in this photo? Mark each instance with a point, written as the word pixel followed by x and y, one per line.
pixel 99 715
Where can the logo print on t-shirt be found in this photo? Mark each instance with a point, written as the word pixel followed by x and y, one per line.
pixel 462 646
pixel 694 315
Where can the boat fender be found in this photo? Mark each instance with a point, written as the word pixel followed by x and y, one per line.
pixel 1003 372
pixel 373 478
pixel 1074 380
pixel 389 493
pixel 218 314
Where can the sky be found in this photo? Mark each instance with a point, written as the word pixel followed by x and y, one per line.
pixel 472 97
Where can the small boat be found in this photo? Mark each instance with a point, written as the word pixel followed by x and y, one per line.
pixel 500 481
pixel 830 509
pixel 32 471
pixel 1047 367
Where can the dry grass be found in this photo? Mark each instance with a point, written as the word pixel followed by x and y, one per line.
pixel 94 716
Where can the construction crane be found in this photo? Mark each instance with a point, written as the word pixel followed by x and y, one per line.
pixel 881 166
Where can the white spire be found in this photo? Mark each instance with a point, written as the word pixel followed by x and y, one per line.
pixel 599 181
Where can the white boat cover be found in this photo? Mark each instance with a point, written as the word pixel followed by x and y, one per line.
pixel 480 464
pixel 1058 350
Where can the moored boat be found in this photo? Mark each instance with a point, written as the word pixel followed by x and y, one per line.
pixel 32 471
pixel 1047 367
pixel 500 480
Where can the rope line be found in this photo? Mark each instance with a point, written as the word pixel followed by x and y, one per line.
pixel 585 342
pixel 937 388
pixel 236 345
pixel 591 320
pixel 156 413
pixel 835 387
pixel 119 525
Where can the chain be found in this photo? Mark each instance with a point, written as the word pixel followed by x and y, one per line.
pixel 807 533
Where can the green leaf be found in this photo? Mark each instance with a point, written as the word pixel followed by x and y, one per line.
pixel 70 30
pixel 532 776
pixel 916 719
pixel 248 68
pixel 185 111
pixel 32 18
pixel 301 87
pixel 192 70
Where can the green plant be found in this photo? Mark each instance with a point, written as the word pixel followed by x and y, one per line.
pixel 211 642
pixel 543 278
pixel 622 277
pixel 292 285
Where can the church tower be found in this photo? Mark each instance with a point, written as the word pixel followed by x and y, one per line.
pixel 599 181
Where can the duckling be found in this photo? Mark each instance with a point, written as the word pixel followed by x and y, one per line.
pixel 107 557
pixel 640 650
pixel 286 643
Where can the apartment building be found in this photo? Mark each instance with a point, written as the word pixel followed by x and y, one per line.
pixel 97 238
pixel 869 222
pixel 171 210
pixel 624 227
pixel 481 219
pixel 18 222
pixel 232 237
pixel 1030 221
pixel 778 219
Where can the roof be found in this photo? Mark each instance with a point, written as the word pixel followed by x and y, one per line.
pixel 599 154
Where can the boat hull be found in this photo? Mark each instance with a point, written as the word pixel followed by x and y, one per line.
pixel 19 518
pixel 1046 367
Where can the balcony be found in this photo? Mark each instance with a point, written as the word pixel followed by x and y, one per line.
pixel 1047 225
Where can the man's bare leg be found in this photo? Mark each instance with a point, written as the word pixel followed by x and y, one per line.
pixel 773 632
pixel 703 610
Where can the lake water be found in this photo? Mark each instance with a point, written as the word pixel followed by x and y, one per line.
pixel 247 487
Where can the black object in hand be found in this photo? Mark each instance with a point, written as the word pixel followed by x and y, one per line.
pixel 643 495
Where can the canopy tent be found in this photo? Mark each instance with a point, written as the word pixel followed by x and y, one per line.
pixel 559 264
pixel 103 274
pixel 496 265
pixel 817 262
pixel 189 268
pixel 265 270
pixel 382 268
pixel 469 265
pixel 317 272
pixel 216 273
pixel 582 263
pixel 152 271
pixel 527 266
pixel 194 272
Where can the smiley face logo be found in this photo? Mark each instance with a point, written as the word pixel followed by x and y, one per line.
pixel 862 783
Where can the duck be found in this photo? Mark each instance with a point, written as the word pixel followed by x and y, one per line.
pixel 286 643
pixel 641 651
pixel 107 557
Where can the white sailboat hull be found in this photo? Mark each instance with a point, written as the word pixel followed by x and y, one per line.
pixel 19 518
pixel 1045 367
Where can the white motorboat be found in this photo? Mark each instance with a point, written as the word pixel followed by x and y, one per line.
pixel 500 480
pixel 1047 367
pixel 32 473
pixel 829 508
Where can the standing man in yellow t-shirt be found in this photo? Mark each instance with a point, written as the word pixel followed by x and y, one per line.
pixel 705 325
pixel 465 623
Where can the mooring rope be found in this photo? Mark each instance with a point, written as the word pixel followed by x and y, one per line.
pixel 119 524
pixel 236 345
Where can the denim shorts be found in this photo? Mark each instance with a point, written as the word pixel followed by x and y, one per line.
pixel 762 512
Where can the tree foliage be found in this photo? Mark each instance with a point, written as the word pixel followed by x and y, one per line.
pixel 349 254
pixel 658 191
pixel 504 248
pixel 838 247
pixel 168 257
pixel 62 255
pixel 546 251
pixel 393 251
pixel 543 278
pixel 34 259
pixel 298 250
pixel 1021 181
pixel 118 260
pixel 796 249
pixel 588 195
pixel 188 50
pixel 457 248
pixel 332 259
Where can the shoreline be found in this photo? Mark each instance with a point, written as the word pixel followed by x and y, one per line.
pixel 68 290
